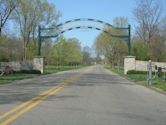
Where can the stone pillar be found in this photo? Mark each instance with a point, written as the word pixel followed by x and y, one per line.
pixel 38 64
pixel 129 63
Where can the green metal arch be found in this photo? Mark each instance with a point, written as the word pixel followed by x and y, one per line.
pixel 126 37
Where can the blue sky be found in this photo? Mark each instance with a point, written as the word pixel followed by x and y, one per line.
pixel 105 10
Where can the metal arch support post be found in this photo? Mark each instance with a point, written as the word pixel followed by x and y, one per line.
pixel 39 40
pixel 129 39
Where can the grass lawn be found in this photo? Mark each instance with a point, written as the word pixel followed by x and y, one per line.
pixel 140 78
pixel 17 76
pixel 48 70
pixel 54 69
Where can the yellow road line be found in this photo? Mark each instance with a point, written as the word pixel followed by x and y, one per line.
pixel 24 104
pixel 14 117
pixel 24 107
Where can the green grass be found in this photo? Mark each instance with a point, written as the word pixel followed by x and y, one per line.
pixel 48 70
pixel 159 84
pixel 116 70
pixel 137 77
pixel 55 69
pixel 140 78
pixel 17 76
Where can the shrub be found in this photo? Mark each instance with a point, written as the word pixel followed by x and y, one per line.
pixel 28 71
pixel 136 72
pixel 141 72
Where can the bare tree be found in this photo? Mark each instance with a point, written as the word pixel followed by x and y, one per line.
pixel 148 14
pixel 6 8
pixel 121 22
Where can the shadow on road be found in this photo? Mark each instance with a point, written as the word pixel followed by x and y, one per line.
pixel 26 90
pixel 93 79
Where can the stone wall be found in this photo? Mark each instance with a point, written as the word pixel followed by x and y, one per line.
pixel 18 66
pixel 130 63
pixel 141 65
pixel 36 64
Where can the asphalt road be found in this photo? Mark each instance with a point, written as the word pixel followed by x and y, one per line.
pixel 88 96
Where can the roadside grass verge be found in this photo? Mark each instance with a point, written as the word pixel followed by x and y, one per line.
pixel 28 75
pixel 54 69
pixel 139 78
pixel 16 76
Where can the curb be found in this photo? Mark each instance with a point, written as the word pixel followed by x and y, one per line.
pixel 158 90
pixel 151 87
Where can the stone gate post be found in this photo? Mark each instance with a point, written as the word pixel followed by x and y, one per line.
pixel 38 64
pixel 129 63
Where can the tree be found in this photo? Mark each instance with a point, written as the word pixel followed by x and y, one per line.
pixel 66 52
pixel 87 55
pixel 72 52
pixel 6 9
pixel 120 22
pixel 10 49
pixel 148 16
pixel 29 14
pixel 113 48
pixel 163 39
pixel 3 51
pixel 158 49
pixel 140 50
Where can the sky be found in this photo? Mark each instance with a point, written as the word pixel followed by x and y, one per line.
pixel 105 10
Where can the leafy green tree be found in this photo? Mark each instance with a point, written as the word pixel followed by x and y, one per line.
pixel 32 50
pixel 66 52
pixel 73 52
pixel 140 50
pixel 113 48
pixel 29 14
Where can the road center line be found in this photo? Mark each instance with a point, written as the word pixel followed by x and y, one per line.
pixel 26 106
